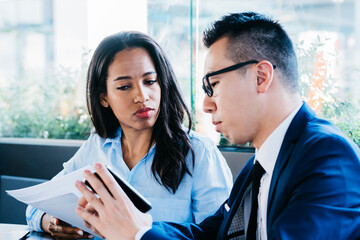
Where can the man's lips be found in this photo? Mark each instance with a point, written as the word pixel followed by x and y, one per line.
pixel 216 122
pixel 217 125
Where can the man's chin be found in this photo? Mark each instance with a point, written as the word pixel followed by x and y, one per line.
pixel 231 140
pixel 235 141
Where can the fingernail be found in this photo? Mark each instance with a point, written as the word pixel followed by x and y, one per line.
pixel 91 236
pixel 97 165
pixel 53 221
pixel 78 183
pixel 80 232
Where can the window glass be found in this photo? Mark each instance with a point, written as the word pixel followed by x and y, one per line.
pixel 46 46
pixel 326 37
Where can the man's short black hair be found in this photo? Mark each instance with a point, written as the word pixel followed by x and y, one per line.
pixel 253 36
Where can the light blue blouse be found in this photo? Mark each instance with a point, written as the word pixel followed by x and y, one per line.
pixel 197 197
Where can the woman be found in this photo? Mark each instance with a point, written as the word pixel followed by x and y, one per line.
pixel 137 109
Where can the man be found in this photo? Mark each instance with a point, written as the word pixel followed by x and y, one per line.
pixel 302 183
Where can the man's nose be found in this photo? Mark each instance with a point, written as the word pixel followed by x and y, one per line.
pixel 208 104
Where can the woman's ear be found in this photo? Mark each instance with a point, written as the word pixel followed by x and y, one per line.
pixel 264 76
pixel 103 100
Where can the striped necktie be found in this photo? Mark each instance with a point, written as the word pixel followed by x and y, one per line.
pixel 257 173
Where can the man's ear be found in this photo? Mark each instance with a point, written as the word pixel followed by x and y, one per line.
pixel 103 100
pixel 264 76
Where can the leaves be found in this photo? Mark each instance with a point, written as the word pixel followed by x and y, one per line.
pixel 48 109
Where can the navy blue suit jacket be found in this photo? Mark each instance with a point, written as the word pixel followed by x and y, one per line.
pixel 314 190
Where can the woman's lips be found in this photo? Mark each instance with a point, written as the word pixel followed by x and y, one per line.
pixel 143 112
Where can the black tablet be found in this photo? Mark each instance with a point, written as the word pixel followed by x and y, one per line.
pixel 138 200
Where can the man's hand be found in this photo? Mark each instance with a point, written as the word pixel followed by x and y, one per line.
pixel 60 229
pixel 84 204
pixel 113 217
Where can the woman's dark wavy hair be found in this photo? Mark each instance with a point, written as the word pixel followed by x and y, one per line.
pixel 172 142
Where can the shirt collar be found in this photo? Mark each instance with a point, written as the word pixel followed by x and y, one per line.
pixel 267 154
pixel 116 139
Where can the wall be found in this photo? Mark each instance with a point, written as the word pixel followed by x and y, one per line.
pixel 37 158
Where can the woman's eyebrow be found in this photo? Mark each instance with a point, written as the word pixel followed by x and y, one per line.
pixel 148 73
pixel 129 77
pixel 122 78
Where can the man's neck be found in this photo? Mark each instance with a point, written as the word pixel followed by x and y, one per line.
pixel 274 117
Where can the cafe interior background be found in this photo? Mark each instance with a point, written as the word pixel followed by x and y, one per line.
pixel 46 46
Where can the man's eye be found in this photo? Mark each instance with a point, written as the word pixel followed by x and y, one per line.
pixel 213 84
pixel 123 88
pixel 150 82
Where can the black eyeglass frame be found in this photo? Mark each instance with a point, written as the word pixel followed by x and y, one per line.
pixel 208 90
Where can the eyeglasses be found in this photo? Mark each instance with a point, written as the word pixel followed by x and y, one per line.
pixel 206 83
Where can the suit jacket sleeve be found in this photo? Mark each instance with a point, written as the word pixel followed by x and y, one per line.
pixel 206 230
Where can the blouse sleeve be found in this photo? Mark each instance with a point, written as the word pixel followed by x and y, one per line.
pixel 34 215
pixel 212 180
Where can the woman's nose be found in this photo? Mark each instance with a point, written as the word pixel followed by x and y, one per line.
pixel 141 95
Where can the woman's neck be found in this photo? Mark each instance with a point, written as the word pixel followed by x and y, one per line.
pixel 135 145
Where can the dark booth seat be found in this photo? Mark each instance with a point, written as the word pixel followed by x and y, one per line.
pixel 12 210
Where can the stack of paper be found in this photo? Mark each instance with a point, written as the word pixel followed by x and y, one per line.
pixel 57 197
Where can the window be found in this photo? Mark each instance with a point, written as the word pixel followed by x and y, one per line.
pixel 46 46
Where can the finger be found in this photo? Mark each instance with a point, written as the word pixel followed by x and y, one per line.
pixel 98 186
pixel 62 223
pixel 69 236
pixel 87 224
pixel 97 232
pixel 89 195
pixel 57 221
pixel 90 209
pixel 89 218
pixel 54 221
pixel 61 231
pixel 110 182
pixel 82 202
pixel 66 230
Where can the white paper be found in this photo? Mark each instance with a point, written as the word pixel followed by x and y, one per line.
pixel 12 231
pixel 57 197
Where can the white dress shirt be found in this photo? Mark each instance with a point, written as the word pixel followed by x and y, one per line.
pixel 266 155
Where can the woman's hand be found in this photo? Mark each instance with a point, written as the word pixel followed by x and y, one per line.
pixel 113 217
pixel 60 229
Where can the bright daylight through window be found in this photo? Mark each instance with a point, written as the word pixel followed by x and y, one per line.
pixel 45 47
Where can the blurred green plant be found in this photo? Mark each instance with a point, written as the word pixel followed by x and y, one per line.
pixel 327 98
pixel 52 108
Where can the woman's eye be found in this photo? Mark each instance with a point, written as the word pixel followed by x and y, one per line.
pixel 123 88
pixel 150 82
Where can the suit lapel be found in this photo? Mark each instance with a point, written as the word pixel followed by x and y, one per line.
pixel 239 188
pixel 293 133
